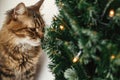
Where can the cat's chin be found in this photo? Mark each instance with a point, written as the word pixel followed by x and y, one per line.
pixel 34 44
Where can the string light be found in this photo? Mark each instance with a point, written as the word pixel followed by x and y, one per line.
pixel 62 27
pixel 111 13
pixel 61 4
pixel 112 57
pixel 76 58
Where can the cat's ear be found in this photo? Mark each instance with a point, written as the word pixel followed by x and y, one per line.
pixel 20 9
pixel 38 5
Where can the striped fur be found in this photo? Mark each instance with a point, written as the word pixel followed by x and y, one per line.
pixel 20 48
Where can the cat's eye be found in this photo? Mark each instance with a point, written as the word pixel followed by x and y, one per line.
pixel 34 15
pixel 32 29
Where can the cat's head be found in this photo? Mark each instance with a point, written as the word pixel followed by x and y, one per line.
pixel 26 23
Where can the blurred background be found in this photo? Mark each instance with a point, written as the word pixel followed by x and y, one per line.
pixel 48 10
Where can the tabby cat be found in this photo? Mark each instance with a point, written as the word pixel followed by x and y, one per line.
pixel 20 39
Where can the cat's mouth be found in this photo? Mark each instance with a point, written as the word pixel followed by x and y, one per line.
pixel 27 40
pixel 34 43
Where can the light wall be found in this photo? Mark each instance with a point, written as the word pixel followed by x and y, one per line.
pixel 48 10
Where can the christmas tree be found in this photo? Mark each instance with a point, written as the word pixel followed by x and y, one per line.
pixel 83 41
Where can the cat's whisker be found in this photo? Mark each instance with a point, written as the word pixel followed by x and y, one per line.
pixel 20 43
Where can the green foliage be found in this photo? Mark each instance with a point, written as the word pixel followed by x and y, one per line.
pixel 70 74
pixel 86 25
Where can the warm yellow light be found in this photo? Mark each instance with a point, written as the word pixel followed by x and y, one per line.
pixel 62 27
pixel 61 4
pixel 112 13
pixel 113 57
pixel 75 59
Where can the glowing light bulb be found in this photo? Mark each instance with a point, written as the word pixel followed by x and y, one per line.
pixel 112 57
pixel 111 13
pixel 62 27
pixel 76 58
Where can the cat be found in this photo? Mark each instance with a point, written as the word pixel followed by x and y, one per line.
pixel 20 42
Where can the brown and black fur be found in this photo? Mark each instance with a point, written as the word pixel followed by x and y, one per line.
pixel 18 59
